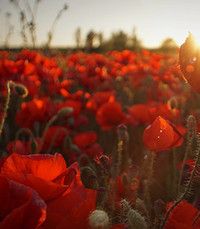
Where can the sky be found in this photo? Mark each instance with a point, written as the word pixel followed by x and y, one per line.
pixel 154 20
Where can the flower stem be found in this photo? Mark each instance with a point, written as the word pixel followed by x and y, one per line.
pixel 188 185
pixel 9 83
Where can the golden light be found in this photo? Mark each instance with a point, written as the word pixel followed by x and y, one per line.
pixel 196 37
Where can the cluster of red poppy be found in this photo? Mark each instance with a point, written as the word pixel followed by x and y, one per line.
pixel 85 136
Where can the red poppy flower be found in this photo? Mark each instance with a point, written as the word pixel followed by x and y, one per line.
pixel 140 112
pixel 21 206
pixel 45 173
pixel 110 115
pixel 182 216
pixel 72 209
pixel 85 139
pixel 20 147
pixel 161 135
pixel 98 98
pixel 189 58
pixel 76 105
pixel 122 189
pixel 55 137
pixel 36 110
pixel 163 110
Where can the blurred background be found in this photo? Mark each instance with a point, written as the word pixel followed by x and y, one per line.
pixel 93 25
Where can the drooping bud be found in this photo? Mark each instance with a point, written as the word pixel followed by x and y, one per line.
pixel 21 90
pixel 88 178
pixel 135 220
pixel 173 102
pixel 99 220
pixel 64 111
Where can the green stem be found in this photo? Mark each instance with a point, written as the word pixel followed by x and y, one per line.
pixel 50 122
pixel 149 179
pixel 119 155
pixel 174 173
pixel 188 186
pixel 9 83
pixel 195 220
pixel 19 132
pixel 54 137
pixel 188 147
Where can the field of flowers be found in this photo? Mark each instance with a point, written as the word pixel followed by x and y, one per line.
pixel 104 141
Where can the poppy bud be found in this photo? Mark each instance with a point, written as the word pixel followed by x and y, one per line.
pixel 191 126
pixel 105 161
pixel 135 220
pixel 125 205
pixel 99 220
pixel 21 90
pixel 88 177
pixel 173 102
pixel 64 111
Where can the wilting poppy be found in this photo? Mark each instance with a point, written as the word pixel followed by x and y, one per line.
pixel 43 172
pixel 182 216
pixel 21 206
pixel 189 58
pixel 161 135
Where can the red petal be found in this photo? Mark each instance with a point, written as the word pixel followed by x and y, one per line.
pixel 21 207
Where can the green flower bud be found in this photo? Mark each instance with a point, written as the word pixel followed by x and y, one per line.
pixel 64 111
pixel 135 220
pixel 21 90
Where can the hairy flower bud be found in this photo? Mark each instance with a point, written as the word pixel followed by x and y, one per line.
pixel 135 220
pixel 99 220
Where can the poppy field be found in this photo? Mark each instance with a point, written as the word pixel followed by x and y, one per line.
pixel 108 141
